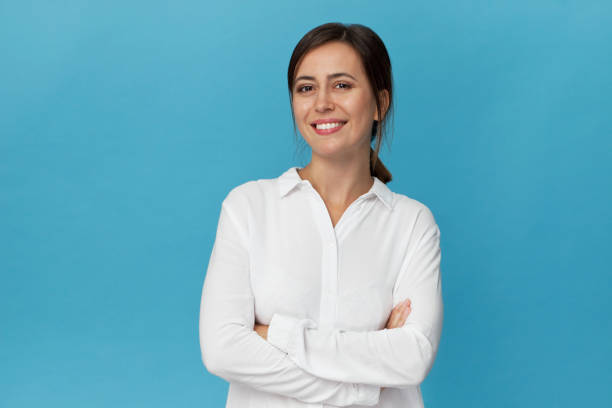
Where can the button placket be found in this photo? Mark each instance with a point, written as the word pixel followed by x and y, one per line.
pixel 330 277
pixel 329 261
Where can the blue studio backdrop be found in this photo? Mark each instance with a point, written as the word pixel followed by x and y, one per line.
pixel 123 125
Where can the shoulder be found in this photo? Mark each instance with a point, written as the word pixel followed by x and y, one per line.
pixel 250 193
pixel 417 212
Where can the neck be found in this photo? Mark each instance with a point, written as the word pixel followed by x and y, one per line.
pixel 339 183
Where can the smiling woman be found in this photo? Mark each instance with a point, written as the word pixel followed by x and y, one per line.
pixel 344 69
pixel 323 287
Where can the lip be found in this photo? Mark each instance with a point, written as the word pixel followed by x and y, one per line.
pixel 330 120
pixel 327 131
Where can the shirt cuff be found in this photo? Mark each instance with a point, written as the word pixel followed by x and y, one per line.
pixel 367 394
pixel 283 331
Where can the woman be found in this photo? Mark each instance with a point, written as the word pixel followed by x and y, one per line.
pixel 323 287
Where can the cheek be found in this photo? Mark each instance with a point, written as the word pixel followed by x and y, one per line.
pixel 363 116
pixel 300 107
pixel 300 112
pixel 361 108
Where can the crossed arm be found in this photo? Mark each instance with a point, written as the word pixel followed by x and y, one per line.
pixel 397 318
pixel 399 357
pixel 230 347
pixel 304 362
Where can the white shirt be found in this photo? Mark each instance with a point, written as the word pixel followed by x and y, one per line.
pixel 326 292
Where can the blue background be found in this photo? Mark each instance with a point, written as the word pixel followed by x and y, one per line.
pixel 124 125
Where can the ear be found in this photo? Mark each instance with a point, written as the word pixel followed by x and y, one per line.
pixel 383 97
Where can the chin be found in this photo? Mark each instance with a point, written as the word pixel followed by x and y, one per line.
pixel 330 151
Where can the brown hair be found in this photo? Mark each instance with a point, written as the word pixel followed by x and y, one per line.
pixel 377 64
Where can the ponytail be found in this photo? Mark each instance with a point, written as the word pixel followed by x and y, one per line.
pixel 377 168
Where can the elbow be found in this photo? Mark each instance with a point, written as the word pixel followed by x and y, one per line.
pixel 210 356
pixel 212 364
pixel 211 350
pixel 221 352
pixel 423 371
pixel 418 369
pixel 214 359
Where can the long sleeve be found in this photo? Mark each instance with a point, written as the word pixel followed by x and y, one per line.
pixel 230 347
pixel 398 357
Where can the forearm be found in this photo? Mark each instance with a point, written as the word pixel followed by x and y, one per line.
pixel 237 353
pixel 392 358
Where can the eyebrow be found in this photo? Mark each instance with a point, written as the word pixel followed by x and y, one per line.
pixel 330 76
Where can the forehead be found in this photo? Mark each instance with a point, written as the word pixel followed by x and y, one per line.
pixel 330 58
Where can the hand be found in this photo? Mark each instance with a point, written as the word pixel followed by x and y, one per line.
pixel 262 330
pixel 398 317
pixel 399 314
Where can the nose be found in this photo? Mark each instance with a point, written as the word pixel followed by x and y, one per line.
pixel 323 102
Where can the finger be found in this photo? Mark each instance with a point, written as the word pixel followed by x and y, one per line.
pixel 403 303
pixel 406 305
pixel 396 316
pixel 402 316
pixel 399 311
pixel 405 314
pixel 393 318
pixel 401 308
pixel 392 315
pixel 399 314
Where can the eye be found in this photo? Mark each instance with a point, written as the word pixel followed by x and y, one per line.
pixel 301 88
pixel 346 86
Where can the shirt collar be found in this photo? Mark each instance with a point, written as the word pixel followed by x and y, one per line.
pixel 291 179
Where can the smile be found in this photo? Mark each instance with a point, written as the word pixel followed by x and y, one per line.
pixel 327 128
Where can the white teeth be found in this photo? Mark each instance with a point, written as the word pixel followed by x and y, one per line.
pixel 328 125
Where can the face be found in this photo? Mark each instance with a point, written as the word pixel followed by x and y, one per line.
pixel 331 84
